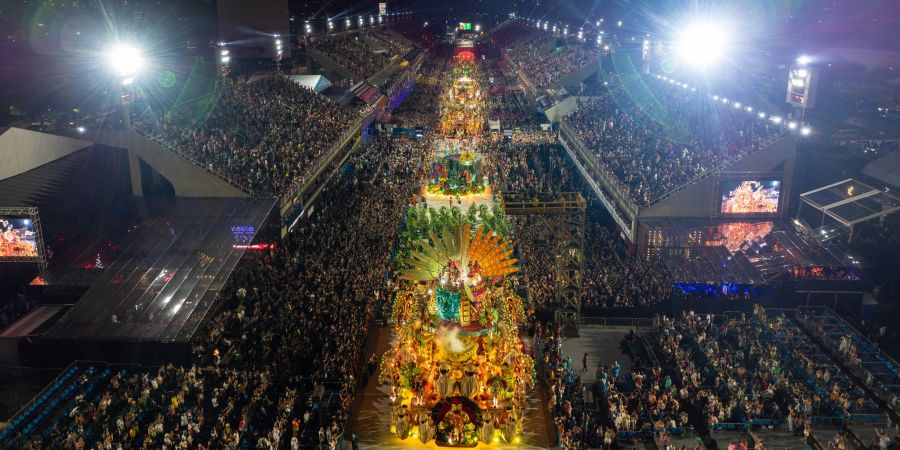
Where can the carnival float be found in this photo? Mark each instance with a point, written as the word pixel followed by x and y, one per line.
pixel 457 370
pixel 456 169
pixel 456 174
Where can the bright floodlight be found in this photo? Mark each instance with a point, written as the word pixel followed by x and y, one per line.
pixel 125 59
pixel 701 44
pixel 804 60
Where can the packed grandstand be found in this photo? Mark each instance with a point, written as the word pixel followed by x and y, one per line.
pixel 293 355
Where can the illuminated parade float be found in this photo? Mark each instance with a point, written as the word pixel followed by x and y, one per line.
pixel 458 372
pixel 456 169
pixel 456 174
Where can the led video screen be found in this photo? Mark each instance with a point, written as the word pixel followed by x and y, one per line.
pixel 17 238
pixel 735 235
pixel 750 196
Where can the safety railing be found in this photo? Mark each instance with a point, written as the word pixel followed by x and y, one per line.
pixel 638 323
pixel 885 392
pixel 300 186
pixel 164 144
pixel 607 177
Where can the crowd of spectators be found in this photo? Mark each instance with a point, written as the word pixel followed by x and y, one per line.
pixel 264 135
pixel 634 403
pixel 613 278
pixel 419 109
pixel 737 371
pixel 396 45
pixel 510 107
pixel 654 137
pixel 532 163
pixel 577 427
pixel 723 368
pixel 641 399
pixel 759 369
pixel 527 163
pixel 504 102
pixel 545 61
pixel 351 51
pixel 298 318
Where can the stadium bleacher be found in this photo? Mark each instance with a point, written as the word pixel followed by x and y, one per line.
pixel 655 137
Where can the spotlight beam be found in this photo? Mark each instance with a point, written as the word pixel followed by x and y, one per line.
pixel 701 44
pixel 125 60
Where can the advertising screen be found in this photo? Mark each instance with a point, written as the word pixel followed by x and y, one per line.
pixel 17 238
pixel 465 26
pixel 750 196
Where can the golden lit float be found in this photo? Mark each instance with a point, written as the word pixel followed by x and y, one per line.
pixel 457 371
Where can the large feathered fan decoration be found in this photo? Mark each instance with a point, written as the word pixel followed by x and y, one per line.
pixel 485 250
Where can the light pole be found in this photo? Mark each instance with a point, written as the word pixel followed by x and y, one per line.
pixel 279 52
pixel 126 61
pixel 224 64
pixel 801 86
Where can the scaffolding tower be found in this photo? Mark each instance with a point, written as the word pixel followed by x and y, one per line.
pixel 569 249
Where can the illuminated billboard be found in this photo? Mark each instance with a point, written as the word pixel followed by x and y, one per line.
pixel 750 196
pixel 465 26
pixel 382 9
pixel 18 240
pixel 736 235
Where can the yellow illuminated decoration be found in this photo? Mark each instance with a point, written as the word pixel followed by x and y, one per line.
pixel 458 372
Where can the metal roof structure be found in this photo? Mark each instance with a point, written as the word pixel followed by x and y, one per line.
pixel 174 258
pixel 850 202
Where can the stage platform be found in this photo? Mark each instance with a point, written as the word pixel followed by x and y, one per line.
pixel 165 267
pixel 437 201
pixel 746 252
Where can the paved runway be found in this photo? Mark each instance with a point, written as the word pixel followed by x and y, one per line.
pixel 602 346
pixel 436 201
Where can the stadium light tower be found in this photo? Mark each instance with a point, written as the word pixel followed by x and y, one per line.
pixel 126 61
pixel 224 59
pixel 701 44
pixel 279 52
pixel 802 84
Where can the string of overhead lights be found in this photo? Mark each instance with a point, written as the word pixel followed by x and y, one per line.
pixel 776 119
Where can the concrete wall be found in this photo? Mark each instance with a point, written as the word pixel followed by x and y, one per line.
pixel 572 81
pixel 556 112
pixel 23 150
pixel 701 199
pixel 188 179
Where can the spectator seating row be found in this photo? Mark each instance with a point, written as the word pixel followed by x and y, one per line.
pixel 859 355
